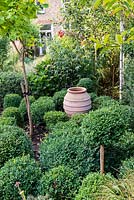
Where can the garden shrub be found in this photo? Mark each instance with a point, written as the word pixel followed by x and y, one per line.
pixel 7 121
pixel 21 169
pixel 13 142
pixel 9 83
pixel 65 128
pixel 78 118
pixel 64 147
pixel 66 65
pixel 13 112
pixel 58 99
pixel 92 186
pixel 4 49
pixel 40 107
pixel 127 166
pixel 59 183
pixel 106 125
pixel 87 83
pixel 93 96
pixel 11 100
pixel 118 189
pixel 119 151
pixel 22 107
pixel 101 101
pixel 52 117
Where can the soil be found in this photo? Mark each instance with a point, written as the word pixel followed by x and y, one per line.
pixel 39 132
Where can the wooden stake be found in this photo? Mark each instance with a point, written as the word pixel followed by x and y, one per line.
pixel 102 159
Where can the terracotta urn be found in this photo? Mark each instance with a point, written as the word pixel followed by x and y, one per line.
pixel 77 100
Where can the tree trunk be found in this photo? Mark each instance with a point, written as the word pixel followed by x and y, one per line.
pixel 121 68
pixel 26 89
pixel 102 159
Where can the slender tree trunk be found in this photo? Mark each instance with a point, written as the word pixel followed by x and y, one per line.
pixel 26 95
pixel 24 87
pixel 102 159
pixel 121 68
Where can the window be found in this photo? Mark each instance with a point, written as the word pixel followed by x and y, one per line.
pixel 46 33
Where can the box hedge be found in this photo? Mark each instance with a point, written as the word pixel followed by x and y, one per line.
pixel 59 183
pixel 12 100
pixel 13 142
pixel 40 107
pixel 21 169
pixel 11 121
pixel 13 112
pixel 53 117
pixel 67 146
pixel 103 101
pixel 9 83
pixel 92 186
pixel 106 125
pixel 87 83
pixel 58 99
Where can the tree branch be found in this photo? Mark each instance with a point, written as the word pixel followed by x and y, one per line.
pixel 13 42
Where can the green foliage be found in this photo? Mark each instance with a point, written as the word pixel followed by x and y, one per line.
pixel 9 83
pixel 87 83
pixel 104 101
pixel 22 107
pixel 13 142
pixel 93 96
pixel 66 128
pixel 53 117
pixel 12 100
pixel 106 125
pixel 120 189
pixel 58 99
pixel 69 55
pixel 7 121
pixel 20 169
pixel 18 26
pixel 4 46
pixel 13 112
pixel 59 183
pixel 69 148
pixel 78 118
pixel 127 166
pixel 92 186
pixel 40 107
pixel 99 101
pixel 66 65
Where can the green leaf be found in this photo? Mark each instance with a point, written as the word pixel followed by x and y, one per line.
pixel 106 39
pixel 119 38
pixel 97 3
pixel 45 5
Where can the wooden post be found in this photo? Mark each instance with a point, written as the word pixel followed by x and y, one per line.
pixel 102 159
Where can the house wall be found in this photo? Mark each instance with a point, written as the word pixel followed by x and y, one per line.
pixel 52 15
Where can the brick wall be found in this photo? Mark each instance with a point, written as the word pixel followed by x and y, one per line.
pixel 52 15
